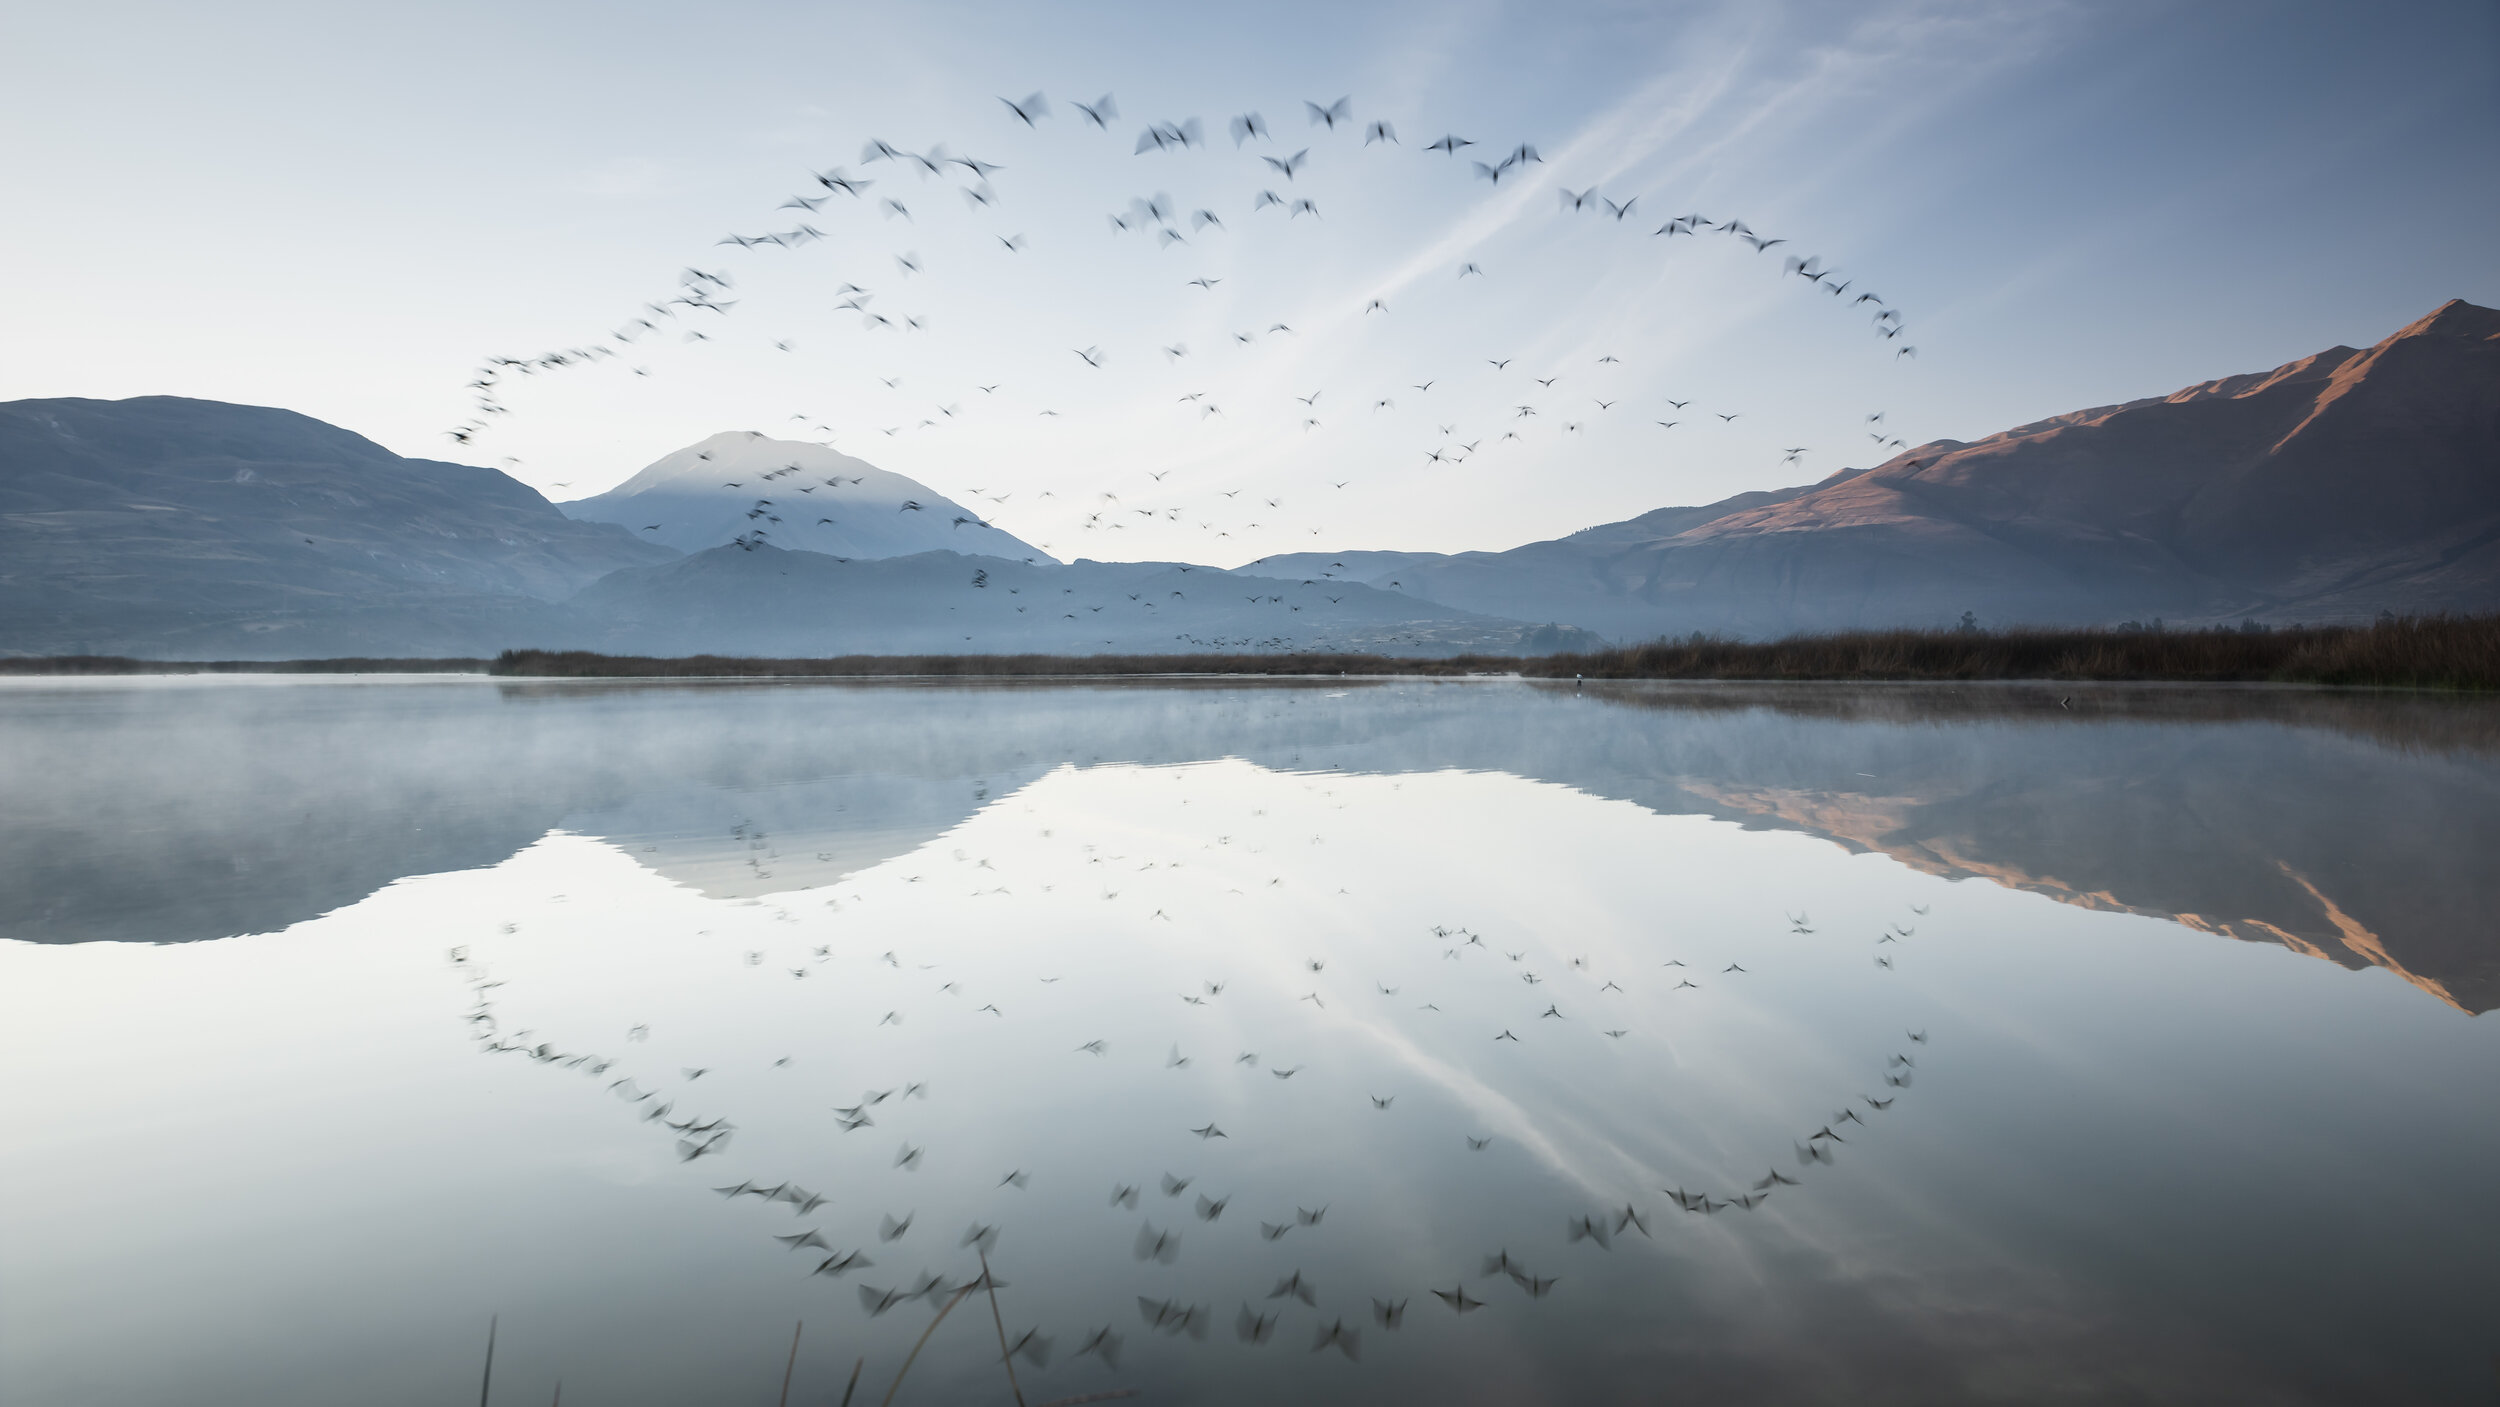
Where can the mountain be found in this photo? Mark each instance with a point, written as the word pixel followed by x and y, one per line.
pixel 1558 580
pixel 169 526
pixel 744 484
pixel 2330 488
pixel 172 528
pixel 762 600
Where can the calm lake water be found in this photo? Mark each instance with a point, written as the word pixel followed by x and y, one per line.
pixel 1707 1044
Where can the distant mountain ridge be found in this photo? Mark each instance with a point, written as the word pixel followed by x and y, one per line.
pixel 2327 489
pixel 2330 488
pixel 792 494
pixel 171 528
pixel 766 601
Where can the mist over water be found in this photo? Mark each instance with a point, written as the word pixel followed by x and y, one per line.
pixel 332 1006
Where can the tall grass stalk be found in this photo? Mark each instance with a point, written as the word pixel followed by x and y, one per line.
pixel 793 1365
pixel 914 1355
pixel 991 1288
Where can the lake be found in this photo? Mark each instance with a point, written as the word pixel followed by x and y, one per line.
pixel 1317 1041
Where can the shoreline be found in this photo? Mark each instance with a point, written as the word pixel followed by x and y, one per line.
pixel 2441 653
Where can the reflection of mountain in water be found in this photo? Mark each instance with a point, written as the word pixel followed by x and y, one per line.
pixel 1954 838
pixel 2348 827
pixel 806 835
pixel 2262 815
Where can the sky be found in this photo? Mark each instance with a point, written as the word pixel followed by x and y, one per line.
pixel 349 210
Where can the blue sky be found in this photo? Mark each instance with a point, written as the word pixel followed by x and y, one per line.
pixel 342 210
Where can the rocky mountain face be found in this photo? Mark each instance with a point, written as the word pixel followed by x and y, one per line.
pixel 746 486
pixel 169 526
pixel 2330 488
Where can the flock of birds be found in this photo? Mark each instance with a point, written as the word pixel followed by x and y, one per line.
pixel 1273 185
pixel 1161 1209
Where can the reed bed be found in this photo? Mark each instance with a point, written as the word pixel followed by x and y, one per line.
pixel 2422 652
pixel 2419 652
pixel 581 664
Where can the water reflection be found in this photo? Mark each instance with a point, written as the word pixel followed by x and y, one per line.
pixel 1276 959
pixel 2351 827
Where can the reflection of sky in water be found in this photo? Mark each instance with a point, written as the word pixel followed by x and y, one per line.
pixel 2134 1162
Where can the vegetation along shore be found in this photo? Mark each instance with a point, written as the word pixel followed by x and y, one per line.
pixel 2430 652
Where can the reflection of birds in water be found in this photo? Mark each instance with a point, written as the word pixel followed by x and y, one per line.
pixel 1153 1245
pixel 1104 1343
pixel 1297 1287
pixel 1458 1299
pixel 1156 1246
pixel 1337 1335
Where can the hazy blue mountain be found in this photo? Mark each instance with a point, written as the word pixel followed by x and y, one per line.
pixel 746 485
pixel 1562 579
pixel 169 526
pixel 767 601
pixel 2328 489
pixel 192 529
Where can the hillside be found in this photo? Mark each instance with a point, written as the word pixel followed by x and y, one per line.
pixel 2330 488
pixel 165 525
pixel 1562 579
